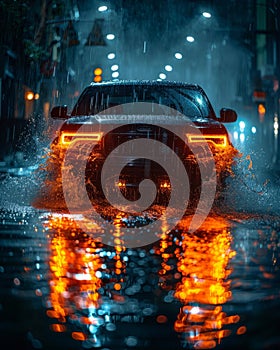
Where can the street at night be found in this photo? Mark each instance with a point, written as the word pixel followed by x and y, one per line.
pixel 216 287
pixel 139 175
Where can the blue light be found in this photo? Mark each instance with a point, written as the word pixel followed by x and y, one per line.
pixel 242 126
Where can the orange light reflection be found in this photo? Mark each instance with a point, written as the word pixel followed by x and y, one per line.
pixel 74 265
pixel 202 262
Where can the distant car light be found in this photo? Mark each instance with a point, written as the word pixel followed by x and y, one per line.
pixel 254 129
pixel 242 125
pixel 29 96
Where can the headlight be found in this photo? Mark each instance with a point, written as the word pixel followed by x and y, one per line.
pixel 217 140
pixel 67 137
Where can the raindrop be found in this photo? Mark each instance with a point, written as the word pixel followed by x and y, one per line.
pixel 93 329
pixel 16 281
pixel 111 327
pixel 147 311
pixel 98 274
pixel 131 341
pixel 145 46
pixel 37 344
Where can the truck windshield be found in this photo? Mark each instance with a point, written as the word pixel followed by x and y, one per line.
pixel 188 101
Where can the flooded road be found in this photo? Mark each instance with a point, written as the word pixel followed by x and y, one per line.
pixel 215 288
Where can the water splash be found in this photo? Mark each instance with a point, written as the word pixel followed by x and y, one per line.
pixel 253 187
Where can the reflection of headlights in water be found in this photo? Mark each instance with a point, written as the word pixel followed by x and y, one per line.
pixel 253 129
pixel 242 137
pixel 235 135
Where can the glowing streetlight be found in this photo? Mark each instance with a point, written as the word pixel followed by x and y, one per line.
pixel 206 14
pixel 29 95
pixel 114 67
pixel 110 36
pixel 111 56
pixel 168 68
pixel 162 76
pixel 115 74
pixel 102 8
pixel 178 55
pixel 190 39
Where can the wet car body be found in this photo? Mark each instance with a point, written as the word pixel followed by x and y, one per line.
pixel 113 113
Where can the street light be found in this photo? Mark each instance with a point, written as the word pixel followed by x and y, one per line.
pixel 110 36
pixel 190 39
pixel 178 55
pixel 102 8
pixel 29 96
pixel 168 68
pixel 206 14
pixel 111 56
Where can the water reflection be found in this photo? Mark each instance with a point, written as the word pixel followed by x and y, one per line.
pixel 195 270
pixel 93 287
pixel 205 285
pixel 75 280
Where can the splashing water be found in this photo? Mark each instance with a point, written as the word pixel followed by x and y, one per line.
pixel 253 188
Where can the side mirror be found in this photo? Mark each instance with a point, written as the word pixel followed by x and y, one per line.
pixel 59 112
pixel 227 115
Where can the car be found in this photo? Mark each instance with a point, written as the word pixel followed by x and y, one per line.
pixel 110 114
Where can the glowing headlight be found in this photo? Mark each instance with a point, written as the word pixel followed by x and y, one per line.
pixel 68 137
pixel 217 140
